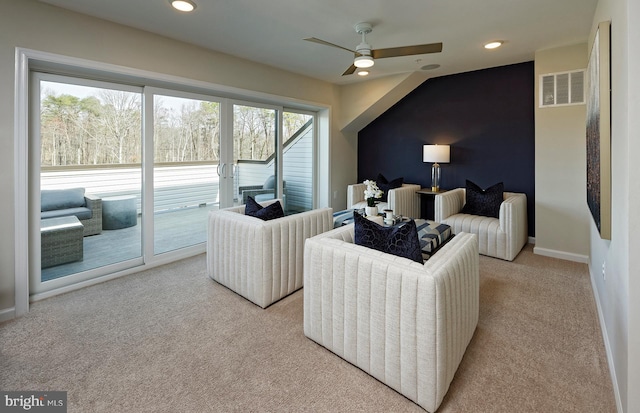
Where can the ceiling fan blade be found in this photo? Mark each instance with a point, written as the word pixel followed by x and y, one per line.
pixel 407 50
pixel 320 41
pixel 350 70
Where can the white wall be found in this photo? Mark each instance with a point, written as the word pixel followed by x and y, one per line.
pixel 617 294
pixel 33 25
pixel 562 215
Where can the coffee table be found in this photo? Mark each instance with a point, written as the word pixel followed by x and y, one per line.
pixel 61 241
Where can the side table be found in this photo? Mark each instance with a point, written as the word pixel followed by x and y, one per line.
pixel 427 198
pixel 119 212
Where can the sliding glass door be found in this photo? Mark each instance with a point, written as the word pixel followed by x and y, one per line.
pixel 126 174
pixel 298 149
pixel 89 152
pixel 254 153
pixel 186 184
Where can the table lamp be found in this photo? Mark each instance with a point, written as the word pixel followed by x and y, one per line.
pixel 435 154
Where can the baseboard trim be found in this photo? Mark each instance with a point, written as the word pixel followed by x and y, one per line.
pixel 7 314
pixel 569 256
pixel 607 346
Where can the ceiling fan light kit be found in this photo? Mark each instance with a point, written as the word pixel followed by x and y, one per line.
pixel 365 55
pixel 363 61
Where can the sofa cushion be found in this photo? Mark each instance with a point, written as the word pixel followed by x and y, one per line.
pixel 272 211
pixel 386 185
pixel 485 202
pixel 80 213
pixel 52 199
pixel 401 240
pixel 270 183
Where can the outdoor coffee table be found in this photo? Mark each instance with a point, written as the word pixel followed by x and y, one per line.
pixel 61 241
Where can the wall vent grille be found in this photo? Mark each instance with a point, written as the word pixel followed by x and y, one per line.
pixel 562 89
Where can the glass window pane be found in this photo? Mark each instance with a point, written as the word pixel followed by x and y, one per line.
pixel 254 145
pixel 297 161
pixel 90 177
pixel 186 184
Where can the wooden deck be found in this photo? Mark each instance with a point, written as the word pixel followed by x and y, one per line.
pixel 173 230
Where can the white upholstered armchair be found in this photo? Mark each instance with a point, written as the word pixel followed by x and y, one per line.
pixel 403 201
pixel 501 237
pixel 261 260
pixel 406 324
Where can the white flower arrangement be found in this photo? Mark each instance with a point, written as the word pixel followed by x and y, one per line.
pixel 372 192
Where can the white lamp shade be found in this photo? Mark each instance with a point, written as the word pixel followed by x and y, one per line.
pixel 435 153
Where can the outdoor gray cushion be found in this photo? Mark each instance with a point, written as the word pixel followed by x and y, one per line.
pixel 270 183
pixel 80 213
pixel 53 199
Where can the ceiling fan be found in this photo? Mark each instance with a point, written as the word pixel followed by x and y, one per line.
pixel 364 54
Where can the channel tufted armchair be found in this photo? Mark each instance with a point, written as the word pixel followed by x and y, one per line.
pixel 501 237
pixel 406 324
pixel 403 201
pixel 261 260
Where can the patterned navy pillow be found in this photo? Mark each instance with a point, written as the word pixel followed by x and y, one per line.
pixel 254 209
pixel 401 240
pixel 485 202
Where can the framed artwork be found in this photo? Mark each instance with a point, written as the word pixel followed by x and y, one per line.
pixel 599 130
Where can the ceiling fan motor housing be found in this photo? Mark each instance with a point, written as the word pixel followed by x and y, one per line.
pixel 364 49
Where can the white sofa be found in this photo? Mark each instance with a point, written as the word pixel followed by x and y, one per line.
pixel 501 237
pixel 406 324
pixel 261 260
pixel 403 201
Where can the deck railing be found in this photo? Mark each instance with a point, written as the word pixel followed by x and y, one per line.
pixel 176 185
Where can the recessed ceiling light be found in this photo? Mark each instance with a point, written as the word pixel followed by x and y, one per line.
pixel 494 44
pixel 183 5
pixel 430 67
pixel 363 72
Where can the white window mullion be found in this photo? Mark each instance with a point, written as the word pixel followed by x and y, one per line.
pixel 147 175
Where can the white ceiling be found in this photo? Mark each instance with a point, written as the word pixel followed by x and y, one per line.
pixel 272 32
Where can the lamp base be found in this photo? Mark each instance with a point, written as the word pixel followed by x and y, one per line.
pixel 435 177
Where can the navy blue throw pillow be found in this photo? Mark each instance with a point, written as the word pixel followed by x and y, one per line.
pixel 401 240
pixel 385 185
pixel 254 209
pixel 485 202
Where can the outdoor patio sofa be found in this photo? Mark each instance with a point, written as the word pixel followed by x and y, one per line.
pixel 55 203
pixel 406 324
pixel 264 192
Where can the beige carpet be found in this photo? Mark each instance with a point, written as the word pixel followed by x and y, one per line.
pixel 172 340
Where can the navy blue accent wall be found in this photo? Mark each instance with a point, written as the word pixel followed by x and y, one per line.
pixel 487 116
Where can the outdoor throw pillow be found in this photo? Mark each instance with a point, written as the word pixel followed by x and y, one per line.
pixel 485 202
pixel 254 209
pixel 385 185
pixel 401 240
